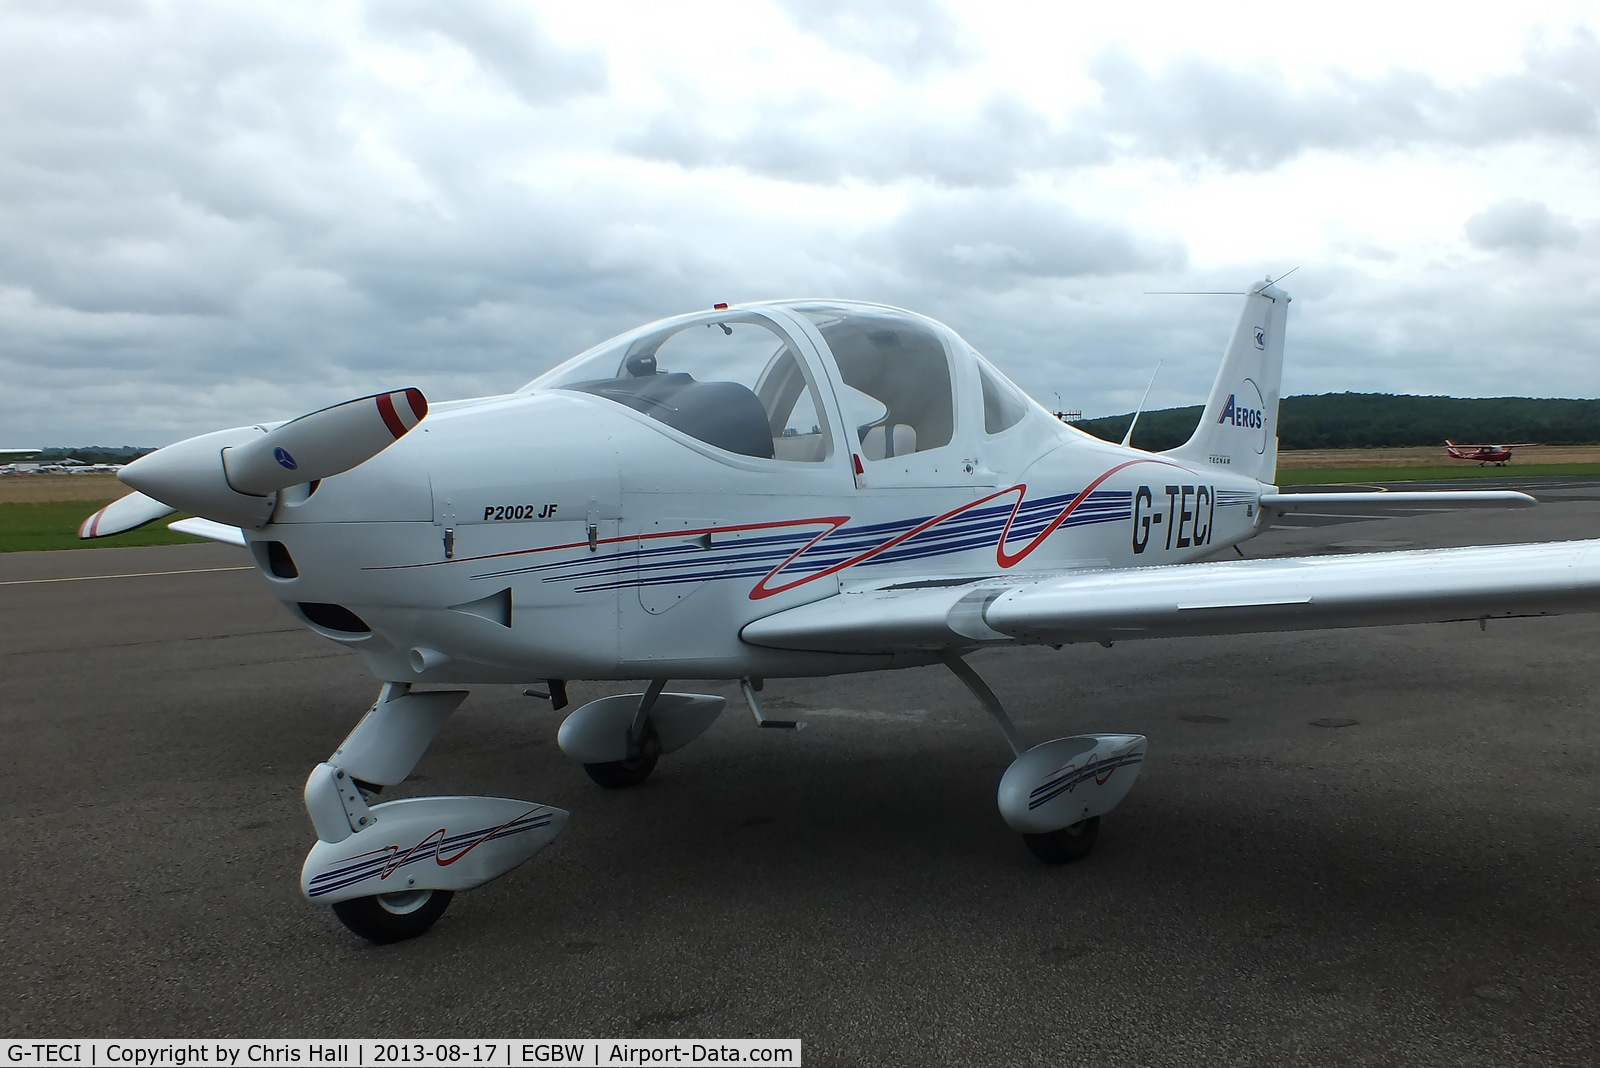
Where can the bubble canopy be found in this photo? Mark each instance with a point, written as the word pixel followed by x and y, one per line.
pixel 762 380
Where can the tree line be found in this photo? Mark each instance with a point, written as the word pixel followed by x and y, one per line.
pixel 1375 420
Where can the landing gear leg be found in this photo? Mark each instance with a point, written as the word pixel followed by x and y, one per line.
pixel 1056 792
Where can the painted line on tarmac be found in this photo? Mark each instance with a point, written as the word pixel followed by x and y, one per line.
pixel 131 574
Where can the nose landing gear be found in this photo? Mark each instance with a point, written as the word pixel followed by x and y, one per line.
pixel 390 870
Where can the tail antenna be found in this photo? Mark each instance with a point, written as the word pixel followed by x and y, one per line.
pixel 1271 281
pixel 1126 438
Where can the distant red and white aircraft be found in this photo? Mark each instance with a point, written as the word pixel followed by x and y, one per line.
pixel 1485 454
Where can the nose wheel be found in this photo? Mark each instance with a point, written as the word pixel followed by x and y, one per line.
pixel 385 918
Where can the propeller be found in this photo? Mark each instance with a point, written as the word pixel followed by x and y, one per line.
pixel 232 476
pixel 323 443
pixel 123 514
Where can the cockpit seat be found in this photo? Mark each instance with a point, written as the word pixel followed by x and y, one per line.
pixel 725 414
pixel 806 448
pixel 885 440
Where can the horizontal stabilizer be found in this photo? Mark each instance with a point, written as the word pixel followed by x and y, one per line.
pixel 1366 502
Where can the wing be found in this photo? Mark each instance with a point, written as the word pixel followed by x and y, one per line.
pixel 1366 502
pixel 1228 597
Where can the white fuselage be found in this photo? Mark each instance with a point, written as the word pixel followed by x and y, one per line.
pixel 553 534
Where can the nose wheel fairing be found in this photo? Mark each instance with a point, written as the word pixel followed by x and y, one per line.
pixel 389 869
pixel 429 843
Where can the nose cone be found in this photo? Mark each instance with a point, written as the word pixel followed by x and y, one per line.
pixel 190 477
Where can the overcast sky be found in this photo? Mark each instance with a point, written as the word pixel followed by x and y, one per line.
pixel 216 213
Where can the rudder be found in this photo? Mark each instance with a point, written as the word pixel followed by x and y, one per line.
pixel 1239 427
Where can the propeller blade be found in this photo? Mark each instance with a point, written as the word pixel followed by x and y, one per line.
pixel 123 514
pixel 232 476
pixel 323 443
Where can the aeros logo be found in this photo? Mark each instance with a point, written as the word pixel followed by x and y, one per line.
pixel 1239 415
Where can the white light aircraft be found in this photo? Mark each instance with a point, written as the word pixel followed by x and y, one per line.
pixel 767 490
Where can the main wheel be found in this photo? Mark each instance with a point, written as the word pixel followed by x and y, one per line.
pixel 620 774
pixel 395 917
pixel 1066 845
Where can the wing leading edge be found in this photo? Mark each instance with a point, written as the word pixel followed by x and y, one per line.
pixel 1227 597
pixel 1366 502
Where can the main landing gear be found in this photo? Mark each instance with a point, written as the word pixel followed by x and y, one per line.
pixel 1056 792
pixel 390 870
pixel 618 739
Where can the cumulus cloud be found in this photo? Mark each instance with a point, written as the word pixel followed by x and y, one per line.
pixel 1189 110
pixel 905 36
pixel 1521 226
pixel 818 141
pixel 214 214
pixel 995 242
pixel 1251 119
pixel 504 39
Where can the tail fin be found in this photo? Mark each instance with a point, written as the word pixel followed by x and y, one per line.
pixel 1239 427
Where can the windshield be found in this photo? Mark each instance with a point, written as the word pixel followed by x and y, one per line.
pixel 733 381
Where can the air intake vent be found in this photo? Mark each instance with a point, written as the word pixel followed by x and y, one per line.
pixel 334 617
pixel 279 562
pixel 496 607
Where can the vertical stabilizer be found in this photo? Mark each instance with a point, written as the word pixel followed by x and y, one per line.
pixel 1239 427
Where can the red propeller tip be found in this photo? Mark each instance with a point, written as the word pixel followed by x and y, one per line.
pixel 401 419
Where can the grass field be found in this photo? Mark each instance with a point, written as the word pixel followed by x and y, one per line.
pixel 44 511
pixel 1316 476
pixel 1433 456
pixel 54 525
